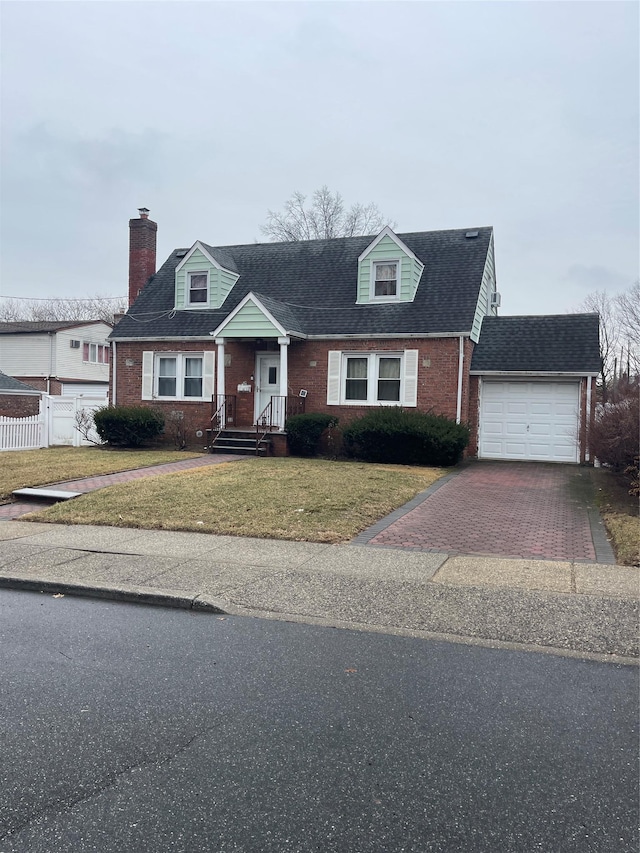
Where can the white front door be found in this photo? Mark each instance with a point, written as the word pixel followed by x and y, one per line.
pixel 267 381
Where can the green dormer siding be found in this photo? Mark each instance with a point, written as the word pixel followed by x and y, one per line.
pixel 249 322
pixel 220 282
pixel 488 286
pixel 388 250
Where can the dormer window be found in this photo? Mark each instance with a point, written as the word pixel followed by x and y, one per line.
pixel 385 279
pixel 198 288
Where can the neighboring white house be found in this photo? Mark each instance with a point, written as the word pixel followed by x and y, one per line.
pixel 58 357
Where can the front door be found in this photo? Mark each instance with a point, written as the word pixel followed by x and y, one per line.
pixel 267 381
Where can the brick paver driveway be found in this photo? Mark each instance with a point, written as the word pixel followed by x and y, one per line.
pixel 501 508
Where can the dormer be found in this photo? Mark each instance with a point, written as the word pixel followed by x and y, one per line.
pixel 388 271
pixel 204 278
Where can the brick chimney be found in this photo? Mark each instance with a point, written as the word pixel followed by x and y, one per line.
pixel 142 252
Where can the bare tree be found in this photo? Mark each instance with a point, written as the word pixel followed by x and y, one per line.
pixel 628 313
pixel 325 217
pixel 93 308
pixel 619 334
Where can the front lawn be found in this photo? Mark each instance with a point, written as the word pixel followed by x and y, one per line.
pixel 21 469
pixel 302 499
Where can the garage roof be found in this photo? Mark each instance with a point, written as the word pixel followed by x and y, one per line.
pixel 555 343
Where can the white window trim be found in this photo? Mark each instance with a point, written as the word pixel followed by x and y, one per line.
pixel 180 374
pixel 372 279
pixel 372 378
pixel 96 344
pixel 195 305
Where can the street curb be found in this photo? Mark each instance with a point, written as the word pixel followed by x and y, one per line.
pixel 155 598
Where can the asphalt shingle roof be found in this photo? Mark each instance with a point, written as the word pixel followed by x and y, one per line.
pixel 26 326
pixel 8 383
pixel 315 283
pixel 552 343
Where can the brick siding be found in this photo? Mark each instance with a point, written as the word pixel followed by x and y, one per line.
pixel 18 405
pixel 307 369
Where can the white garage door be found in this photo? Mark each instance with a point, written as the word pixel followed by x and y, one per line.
pixel 529 420
pixel 90 389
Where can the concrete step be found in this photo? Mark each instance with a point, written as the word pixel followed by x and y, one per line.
pixel 242 449
pixel 52 495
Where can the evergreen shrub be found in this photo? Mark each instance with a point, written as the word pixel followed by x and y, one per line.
pixel 394 435
pixel 128 426
pixel 304 431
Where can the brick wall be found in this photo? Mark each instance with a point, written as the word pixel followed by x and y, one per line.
pixel 307 368
pixel 40 384
pixel 19 405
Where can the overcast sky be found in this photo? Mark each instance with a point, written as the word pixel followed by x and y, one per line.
pixel 520 115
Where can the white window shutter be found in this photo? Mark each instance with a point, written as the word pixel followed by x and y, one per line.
pixel 333 378
pixel 208 372
pixel 147 375
pixel 410 396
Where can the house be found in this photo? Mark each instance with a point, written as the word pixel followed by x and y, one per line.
pixel 236 336
pixel 17 399
pixel 58 357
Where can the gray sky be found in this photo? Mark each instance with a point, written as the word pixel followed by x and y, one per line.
pixel 520 115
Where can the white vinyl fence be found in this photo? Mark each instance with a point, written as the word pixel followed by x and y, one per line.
pixel 21 433
pixel 55 425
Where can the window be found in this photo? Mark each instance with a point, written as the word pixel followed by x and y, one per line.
pixel 356 379
pixel 193 377
pixel 385 279
pixel 198 287
pixel 95 353
pixel 179 376
pixel 372 379
pixel 167 376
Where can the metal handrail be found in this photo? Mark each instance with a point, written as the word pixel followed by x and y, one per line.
pixel 265 422
pixel 220 415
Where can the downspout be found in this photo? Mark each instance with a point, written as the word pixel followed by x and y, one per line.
pixel 587 421
pixel 113 373
pixel 51 342
pixel 460 364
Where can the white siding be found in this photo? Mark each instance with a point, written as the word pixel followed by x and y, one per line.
pixel 27 355
pixel 42 354
pixel 69 363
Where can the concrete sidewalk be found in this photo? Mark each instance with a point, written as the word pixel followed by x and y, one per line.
pixel 584 609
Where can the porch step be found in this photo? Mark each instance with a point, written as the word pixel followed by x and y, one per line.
pixel 53 495
pixel 244 443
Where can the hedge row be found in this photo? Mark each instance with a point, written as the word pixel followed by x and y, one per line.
pixel 386 434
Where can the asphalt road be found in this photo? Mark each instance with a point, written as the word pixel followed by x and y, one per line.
pixel 128 728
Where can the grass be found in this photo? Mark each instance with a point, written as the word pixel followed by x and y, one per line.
pixel 619 511
pixel 301 499
pixel 24 468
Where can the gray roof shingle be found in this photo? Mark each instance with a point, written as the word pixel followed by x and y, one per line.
pixel 8 383
pixel 22 327
pixel 560 343
pixel 315 282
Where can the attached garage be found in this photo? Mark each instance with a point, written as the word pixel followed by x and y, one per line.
pixel 529 420
pixel 534 381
